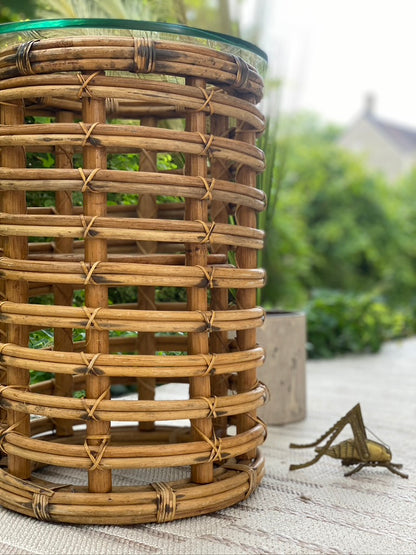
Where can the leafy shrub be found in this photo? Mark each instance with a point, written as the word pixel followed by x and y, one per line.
pixel 337 225
pixel 349 323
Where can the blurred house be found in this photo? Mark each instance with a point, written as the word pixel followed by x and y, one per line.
pixel 386 147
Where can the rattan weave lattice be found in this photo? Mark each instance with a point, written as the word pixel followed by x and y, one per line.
pixel 128 235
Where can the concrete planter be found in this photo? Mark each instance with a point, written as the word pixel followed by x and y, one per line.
pixel 283 337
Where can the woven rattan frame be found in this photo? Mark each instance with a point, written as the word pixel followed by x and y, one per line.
pixel 206 244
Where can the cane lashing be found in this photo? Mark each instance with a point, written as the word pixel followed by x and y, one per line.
pixel 88 129
pixel 144 57
pixel 87 186
pixel 215 444
pixel 166 502
pixel 90 410
pixel 209 187
pixel 23 64
pixel 85 81
pixel 89 364
pixel 96 452
pixel 208 231
pixel 251 476
pixel 206 151
pixel 208 275
pixel 4 430
pixel 242 75
pixel 89 272
pixel 40 506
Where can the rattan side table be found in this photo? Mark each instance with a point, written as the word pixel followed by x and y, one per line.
pixel 128 235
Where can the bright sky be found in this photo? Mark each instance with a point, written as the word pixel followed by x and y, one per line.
pixel 331 53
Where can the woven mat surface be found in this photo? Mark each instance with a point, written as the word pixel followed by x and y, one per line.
pixel 313 510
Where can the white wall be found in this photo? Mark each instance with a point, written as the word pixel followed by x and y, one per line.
pixel 379 153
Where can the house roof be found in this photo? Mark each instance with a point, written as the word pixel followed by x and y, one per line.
pixel 403 137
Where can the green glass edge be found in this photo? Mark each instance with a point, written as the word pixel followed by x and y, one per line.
pixel 173 28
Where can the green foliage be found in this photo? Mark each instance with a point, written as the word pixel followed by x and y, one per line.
pixel 16 10
pixel 80 394
pixel 336 225
pixel 341 323
pixel 213 15
pixel 40 339
pixel 340 241
pixel 123 162
pixel 116 9
pixel 171 294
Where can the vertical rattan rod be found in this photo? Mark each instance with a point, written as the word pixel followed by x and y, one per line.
pixel 3 326
pixel 96 296
pixel 246 298
pixel 196 254
pixel 147 208
pixel 62 292
pixel 14 202
pixel 219 297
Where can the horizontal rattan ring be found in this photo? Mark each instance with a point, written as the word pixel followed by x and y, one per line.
pixel 118 54
pixel 176 343
pixel 138 366
pixel 132 505
pixel 114 181
pixel 130 95
pixel 165 211
pixel 44 251
pixel 143 229
pixel 130 320
pixel 125 274
pixel 130 456
pixel 132 138
pixel 54 406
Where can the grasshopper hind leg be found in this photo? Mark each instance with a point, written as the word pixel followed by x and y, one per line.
pixel 356 469
pixel 390 466
pixel 393 468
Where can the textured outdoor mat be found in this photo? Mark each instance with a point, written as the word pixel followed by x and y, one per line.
pixel 313 510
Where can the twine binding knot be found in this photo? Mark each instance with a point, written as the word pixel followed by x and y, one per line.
pixel 209 187
pixel 208 98
pixel 87 226
pixel 88 129
pixel 91 410
pixel 89 272
pixel 87 180
pixel 210 362
pixel 85 81
pixel 96 452
pixel 209 317
pixel 90 370
pixel 206 151
pixel 215 443
pixel 208 231
pixel 4 431
pixel 209 276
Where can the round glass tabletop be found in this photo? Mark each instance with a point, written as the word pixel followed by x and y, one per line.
pixel 47 28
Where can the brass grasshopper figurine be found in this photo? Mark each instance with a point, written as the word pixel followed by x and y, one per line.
pixel 359 451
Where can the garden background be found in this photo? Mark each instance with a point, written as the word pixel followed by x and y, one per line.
pixel 339 237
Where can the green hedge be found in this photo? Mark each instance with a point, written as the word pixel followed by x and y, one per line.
pixel 349 323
